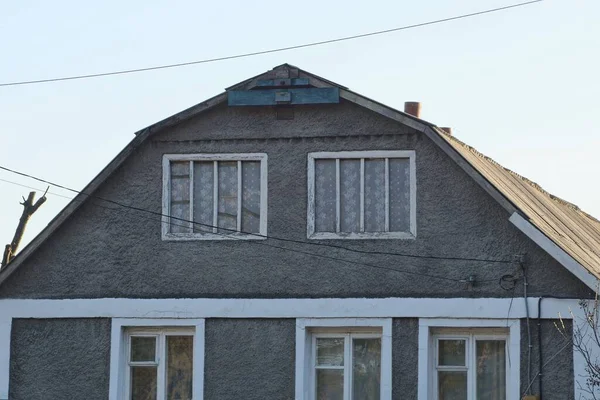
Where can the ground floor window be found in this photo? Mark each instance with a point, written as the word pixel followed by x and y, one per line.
pixel 347 366
pixel 157 359
pixel 469 359
pixel 160 364
pixel 343 362
pixel 470 365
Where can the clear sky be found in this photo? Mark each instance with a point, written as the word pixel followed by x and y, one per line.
pixel 520 85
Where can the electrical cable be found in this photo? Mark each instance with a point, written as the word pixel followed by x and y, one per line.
pixel 259 235
pixel 528 388
pixel 283 248
pixel 262 52
pixel 529 345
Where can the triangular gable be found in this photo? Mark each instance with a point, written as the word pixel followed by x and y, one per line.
pixel 575 234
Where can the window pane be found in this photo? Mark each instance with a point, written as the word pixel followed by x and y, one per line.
pixel 180 197
pixel 452 385
pixel 227 197
pixel 491 370
pixel 451 352
pixel 251 196
pixel 180 362
pixel 143 383
pixel 399 195
pixel 350 195
pixel 374 195
pixel 330 384
pixel 330 352
pixel 203 196
pixel 180 169
pixel 143 348
pixel 366 368
pixel 325 202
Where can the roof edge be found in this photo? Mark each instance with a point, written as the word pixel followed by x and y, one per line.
pixel 555 251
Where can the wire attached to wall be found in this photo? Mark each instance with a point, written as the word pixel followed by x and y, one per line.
pixel 318 255
pixel 160 214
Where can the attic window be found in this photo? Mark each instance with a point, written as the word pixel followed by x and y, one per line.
pixel 214 196
pixel 362 195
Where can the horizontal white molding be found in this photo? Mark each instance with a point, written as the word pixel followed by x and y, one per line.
pixel 286 308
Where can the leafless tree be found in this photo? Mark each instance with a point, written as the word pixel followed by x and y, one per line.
pixel 586 341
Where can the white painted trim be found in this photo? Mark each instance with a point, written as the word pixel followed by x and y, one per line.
pixel 425 366
pixel 386 154
pixel 118 350
pixel 303 353
pixel 5 331
pixel 193 236
pixel 362 154
pixel 283 308
pixel 413 195
pixel 362 235
pixel 554 250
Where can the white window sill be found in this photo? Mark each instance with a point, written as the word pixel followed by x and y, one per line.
pixel 210 236
pixel 362 235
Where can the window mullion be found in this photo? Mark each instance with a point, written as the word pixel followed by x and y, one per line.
pixel 362 195
pixel 471 377
pixel 347 367
pixel 161 355
pixel 313 381
pixel 337 196
pixel 191 197
pixel 387 195
pixel 215 195
pixel 239 196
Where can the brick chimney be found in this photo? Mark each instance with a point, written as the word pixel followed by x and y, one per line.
pixel 447 130
pixel 413 108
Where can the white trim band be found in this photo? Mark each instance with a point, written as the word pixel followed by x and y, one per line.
pixel 391 307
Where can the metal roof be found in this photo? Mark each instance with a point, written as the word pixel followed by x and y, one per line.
pixel 573 230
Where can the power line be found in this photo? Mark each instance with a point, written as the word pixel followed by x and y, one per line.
pixel 155 213
pixel 340 260
pixel 276 50
pixel 32 188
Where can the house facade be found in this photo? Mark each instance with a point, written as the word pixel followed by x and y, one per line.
pixel 291 239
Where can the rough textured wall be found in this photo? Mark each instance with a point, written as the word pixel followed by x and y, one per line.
pixel 59 359
pixel 250 359
pixel 405 358
pixel 557 360
pixel 112 252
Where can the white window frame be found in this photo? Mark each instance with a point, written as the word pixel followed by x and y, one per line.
pixel 433 329
pixel 124 328
pixel 386 154
pixel 308 329
pixel 239 157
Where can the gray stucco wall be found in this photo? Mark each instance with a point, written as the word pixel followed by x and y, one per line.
pixel 405 358
pixel 244 358
pixel 557 360
pixel 101 252
pixel 59 359
pixel 250 359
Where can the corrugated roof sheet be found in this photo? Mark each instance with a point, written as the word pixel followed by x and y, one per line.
pixel 575 231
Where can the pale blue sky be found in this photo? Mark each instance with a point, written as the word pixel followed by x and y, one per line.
pixel 519 85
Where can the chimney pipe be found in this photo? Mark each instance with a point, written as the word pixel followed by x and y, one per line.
pixel 413 108
pixel 447 130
